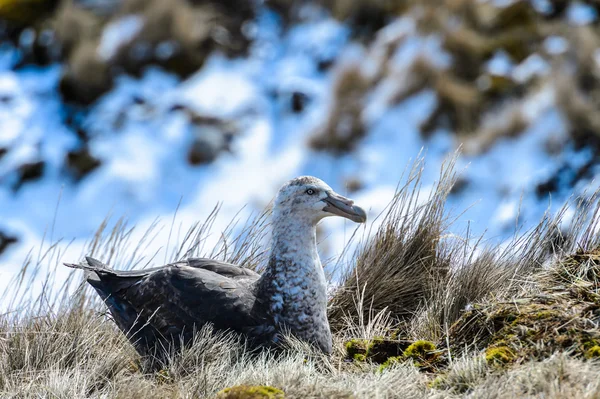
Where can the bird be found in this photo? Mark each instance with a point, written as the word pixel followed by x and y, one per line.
pixel 162 307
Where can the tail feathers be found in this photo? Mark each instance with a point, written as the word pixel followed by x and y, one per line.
pixel 92 265
pixel 107 284
pixel 91 269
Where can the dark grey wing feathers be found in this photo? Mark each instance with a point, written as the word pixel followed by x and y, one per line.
pixel 178 298
pixel 222 268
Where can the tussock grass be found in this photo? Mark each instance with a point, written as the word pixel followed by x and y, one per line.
pixel 410 279
pixel 396 269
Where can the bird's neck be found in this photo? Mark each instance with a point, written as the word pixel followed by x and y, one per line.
pixel 294 252
pixel 293 286
pixel 295 240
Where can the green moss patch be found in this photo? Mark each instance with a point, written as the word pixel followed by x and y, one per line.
pixel 424 355
pixel 499 355
pixel 388 352
pixel 390 362
pixel 593 352
pixel 251 392
pixel 357 349
pixel 419 350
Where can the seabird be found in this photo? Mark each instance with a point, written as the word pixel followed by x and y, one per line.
pixel 160 307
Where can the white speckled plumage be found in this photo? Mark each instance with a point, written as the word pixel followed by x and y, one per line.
pixel 294 284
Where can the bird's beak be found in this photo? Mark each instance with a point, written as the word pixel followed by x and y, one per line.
pixel 344 207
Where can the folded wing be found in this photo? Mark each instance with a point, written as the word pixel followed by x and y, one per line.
pixel 159 306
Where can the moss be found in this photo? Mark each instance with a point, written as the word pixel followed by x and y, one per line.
pixel 251 392
pixel 357 347
pixel 590 343
pixel 504 316
pixel 593 352
pixel 419 350
pixel 390 362
pixel 424 356
pixel 359 357
pixel 500 355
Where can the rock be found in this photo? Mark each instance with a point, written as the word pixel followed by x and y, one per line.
pixel 6 240
pixel 211 135
pixel 28 172
pixel 81 162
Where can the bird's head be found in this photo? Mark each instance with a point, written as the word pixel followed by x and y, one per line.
pixel 311 199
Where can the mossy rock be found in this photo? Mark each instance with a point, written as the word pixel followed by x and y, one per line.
pixel 499 355
pixel 377 350
pixel 251 392
pixel 359 357
pixel 356 349
pixel 388 352
pixel 382 349
pixel 439 382
pixel 420 349
pixel 522 327
pixel 424 355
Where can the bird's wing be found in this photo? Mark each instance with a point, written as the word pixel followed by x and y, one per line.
pixel 223 268
pixel 175 299
pixel 180 296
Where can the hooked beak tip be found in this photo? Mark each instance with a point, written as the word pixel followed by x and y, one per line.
pixel 344 207
pixel 361 215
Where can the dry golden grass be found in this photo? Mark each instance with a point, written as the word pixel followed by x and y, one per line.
pixel 410 280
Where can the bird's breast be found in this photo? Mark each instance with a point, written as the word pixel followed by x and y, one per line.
pixel 298 303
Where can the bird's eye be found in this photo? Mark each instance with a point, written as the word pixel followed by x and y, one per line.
pixel 310 191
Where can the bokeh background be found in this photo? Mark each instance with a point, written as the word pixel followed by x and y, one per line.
pixel 159 110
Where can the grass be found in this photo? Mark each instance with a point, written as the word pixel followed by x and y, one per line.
pixel 409 284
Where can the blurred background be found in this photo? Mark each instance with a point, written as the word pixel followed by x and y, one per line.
pixel 159 110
